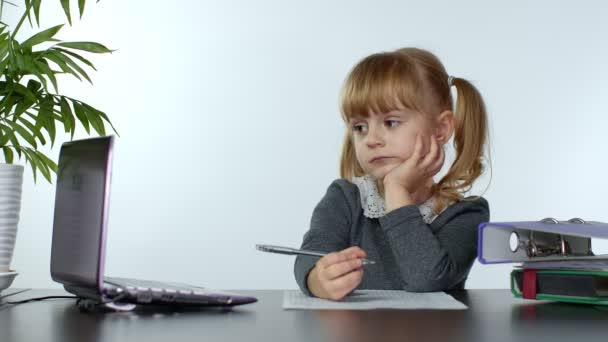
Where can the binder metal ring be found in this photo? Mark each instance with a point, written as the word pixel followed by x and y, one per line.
pixel 577 220
pixel 534 248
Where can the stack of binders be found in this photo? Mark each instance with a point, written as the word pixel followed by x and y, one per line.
pixel 555 258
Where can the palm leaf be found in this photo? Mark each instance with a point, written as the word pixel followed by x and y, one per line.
pixel 66 8
pixel 81 115
pixel 53 57
pixel 41 37
pixel 68 117
pixel 27 136
pixel 94 119
pixel 80 58
pixel 8 154
pixel 46 70
pixel 81 7
pixel 73 65
pixel 86 46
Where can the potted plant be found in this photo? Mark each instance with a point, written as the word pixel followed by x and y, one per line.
pixel 32 109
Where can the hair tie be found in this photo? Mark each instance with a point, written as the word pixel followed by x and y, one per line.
pixel 450 81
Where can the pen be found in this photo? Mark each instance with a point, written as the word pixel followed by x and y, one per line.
pixel 293 251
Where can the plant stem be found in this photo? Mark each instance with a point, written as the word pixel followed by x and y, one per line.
pixel 27 11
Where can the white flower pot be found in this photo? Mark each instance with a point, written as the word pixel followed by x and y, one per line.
pixel 11 180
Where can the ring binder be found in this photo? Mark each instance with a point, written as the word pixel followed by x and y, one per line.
pixel 546 239
pixel 557 262
pixel 534 249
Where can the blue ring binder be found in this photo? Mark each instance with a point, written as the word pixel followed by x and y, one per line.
pixel 546 239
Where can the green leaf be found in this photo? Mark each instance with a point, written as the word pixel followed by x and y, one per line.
pixel 29 159
pixel 23 133
pixel 94 119
pixel 86 46
pixel 28 7
pixel 41 37
pixel 45 69
pixel 36 4
pixel 50 163
pixel 8 103
pixel 33 85
pixel 3 65
pixel 80 58
pixel 41 165
pixel 4 38
pixel 13 139
pixel 80 114
pixel 68 117
pixel 25 92
pixel 81 7
pixel 46 113
pixel 42 80
pixel 72 64
pixel 35 131
pixel 19 62
pixel 37 118
pixel 55 58
pixel 8 154
pixel 101 115
pixel 21 107
pixel 6 136
pixel 66 8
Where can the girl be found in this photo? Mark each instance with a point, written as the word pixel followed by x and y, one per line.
pixel 386 207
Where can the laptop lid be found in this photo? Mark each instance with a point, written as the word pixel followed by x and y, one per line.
pixel 81 212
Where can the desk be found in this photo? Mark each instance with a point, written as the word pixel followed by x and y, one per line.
pixel 493 315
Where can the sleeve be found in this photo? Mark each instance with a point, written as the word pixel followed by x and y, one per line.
pixel 429 261
pixel 329 232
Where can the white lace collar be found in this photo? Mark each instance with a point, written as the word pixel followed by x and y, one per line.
pixel 373 203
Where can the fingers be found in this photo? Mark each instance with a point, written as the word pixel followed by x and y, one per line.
pixel 352 253
pixel 340 269
pixel 340 272
pixel 417 154
pixel 334 287
pixel 338 288
pixel 438 163
pixel 355 250
pixel 431 156
pixel 434 159
pixel 344 285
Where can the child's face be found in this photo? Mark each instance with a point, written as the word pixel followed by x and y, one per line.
pixel 384 141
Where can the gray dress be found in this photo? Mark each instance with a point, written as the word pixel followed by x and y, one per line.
pixel 410 254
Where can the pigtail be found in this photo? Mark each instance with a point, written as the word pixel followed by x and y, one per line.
pixel 349 167
pixel 470 135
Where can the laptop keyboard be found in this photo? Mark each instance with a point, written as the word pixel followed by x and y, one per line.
pixel 151 285
pixel 148 291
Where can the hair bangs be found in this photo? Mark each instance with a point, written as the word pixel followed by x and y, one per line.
pixel 381 83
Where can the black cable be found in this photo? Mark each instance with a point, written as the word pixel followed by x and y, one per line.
pixel 78 300
pixel 39 298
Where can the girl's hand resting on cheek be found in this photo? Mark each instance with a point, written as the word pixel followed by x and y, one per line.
pixel 418 168
pixel 337 274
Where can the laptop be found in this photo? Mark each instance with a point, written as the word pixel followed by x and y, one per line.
pixel 80 228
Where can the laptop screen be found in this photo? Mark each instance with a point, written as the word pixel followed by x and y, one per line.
pixel 81 206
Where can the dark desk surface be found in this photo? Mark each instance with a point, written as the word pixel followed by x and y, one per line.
pixel 493 315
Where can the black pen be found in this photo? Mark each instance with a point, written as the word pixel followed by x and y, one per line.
pixel 293 251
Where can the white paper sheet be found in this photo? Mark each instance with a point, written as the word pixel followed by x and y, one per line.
pixel 374 299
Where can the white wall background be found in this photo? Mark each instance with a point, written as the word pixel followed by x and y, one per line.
pixel 230 132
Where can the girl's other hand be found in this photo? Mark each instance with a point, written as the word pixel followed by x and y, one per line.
pixel 337 274
pixel 419 167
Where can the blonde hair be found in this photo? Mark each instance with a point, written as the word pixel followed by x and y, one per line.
pixel 416 79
